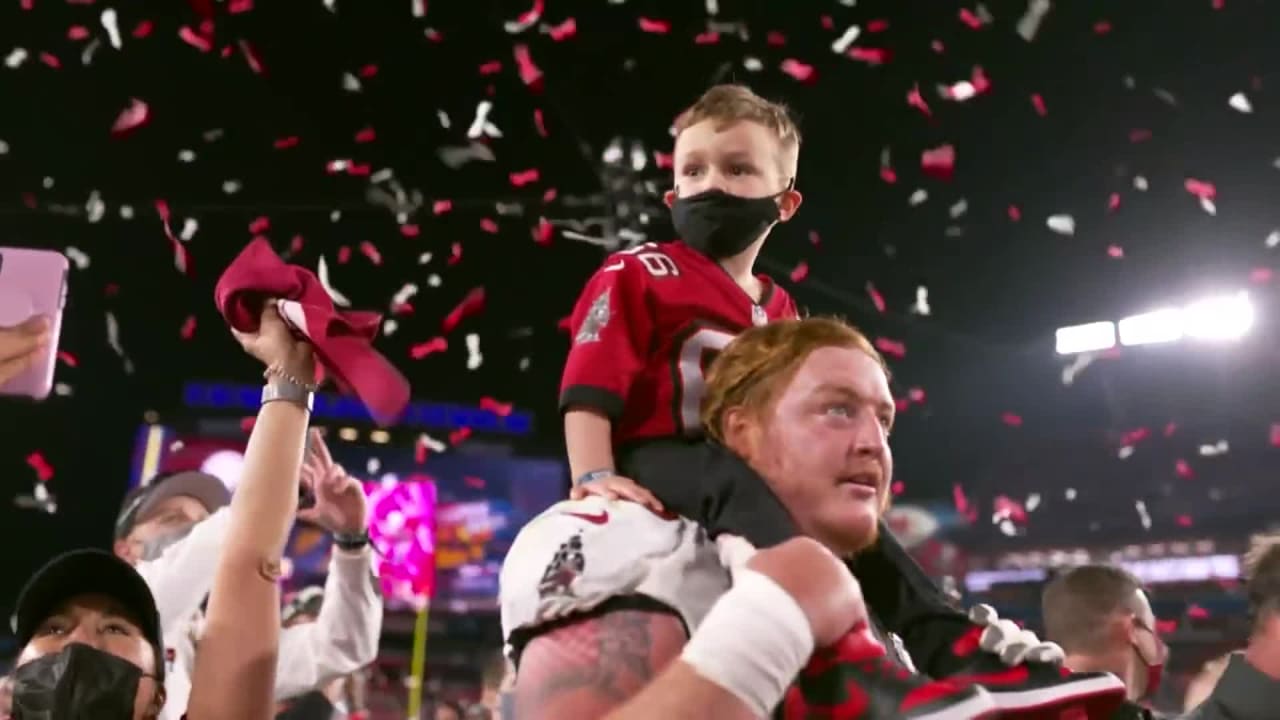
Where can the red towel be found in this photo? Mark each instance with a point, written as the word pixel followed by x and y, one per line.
pixel 343 340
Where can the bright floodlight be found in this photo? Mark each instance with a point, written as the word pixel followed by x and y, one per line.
pixel 1086 338
pixel 1159 326
pixel 1228 317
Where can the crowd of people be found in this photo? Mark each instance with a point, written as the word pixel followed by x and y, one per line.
pixel 722 553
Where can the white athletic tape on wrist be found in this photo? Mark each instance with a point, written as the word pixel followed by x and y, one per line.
pixel 753 642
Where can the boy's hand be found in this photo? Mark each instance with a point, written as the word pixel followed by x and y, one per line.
pixel 616 487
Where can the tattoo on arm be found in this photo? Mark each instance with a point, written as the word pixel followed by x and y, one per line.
pixel 600 662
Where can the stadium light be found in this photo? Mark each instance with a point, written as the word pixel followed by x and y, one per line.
pixel 1159 326
pixel 1223 317
pixel 1086 338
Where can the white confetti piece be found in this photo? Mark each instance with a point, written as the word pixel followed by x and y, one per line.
pixel 921 306
pixel 77 256
pixel 424 258
pixel 918 197
pixel 1219 448
pixel 443 117
pixel 94 208
pixel 113 339
pixel 373 466
pixel 1140 183
pixel 231 187
pixel 1207 205
pixel 109 24
pixel 1166 96
pixel 126 212
pixel 1062 224
pixel 433 280
pixel 47 183
pixel 91 49
pixel 753 64
pixel 62 390
pixel 481 125
pixel 1125 452
pixel 524 364
pixel 335 216
pixel 474 358
pixel 1273 239
pixel 186 156
pixel 15 58
pixel 4 148
pixel 322 272
pixel 389 327
pixel 1070 494
pixel 1029 23
pixel 189 229
pixel 1077 366
pixel 959 208
pixel 713 7
pixel 418 8
pixel 403 294
pixel 431 443
pixel 843 42
pixel 527 20
pixel 960 91
pixel 1241 103
pixel 1143 516
pixel 350 83
pixel 1033 502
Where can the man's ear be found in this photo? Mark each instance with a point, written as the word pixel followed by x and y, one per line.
pixel 157 702
pixel 738 428
pixel 124 550
pixel 669 197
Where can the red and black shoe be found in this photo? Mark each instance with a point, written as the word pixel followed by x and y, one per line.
pixel 856 680
pixel 1033 690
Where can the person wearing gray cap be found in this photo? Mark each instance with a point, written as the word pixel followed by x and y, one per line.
pixel 174 528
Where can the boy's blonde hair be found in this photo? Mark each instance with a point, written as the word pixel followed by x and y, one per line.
pixel 728 104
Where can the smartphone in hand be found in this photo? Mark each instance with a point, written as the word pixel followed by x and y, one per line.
pixel 33 283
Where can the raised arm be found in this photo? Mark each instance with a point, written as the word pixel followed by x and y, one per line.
pixel 235 668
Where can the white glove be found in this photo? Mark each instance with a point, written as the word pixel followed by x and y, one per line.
pixel 1013 645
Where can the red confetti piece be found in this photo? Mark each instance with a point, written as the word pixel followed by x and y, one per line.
pixel 873 56
pixel 1170 429
pixel 814 238
pixel 916 100
pixel 1037 102
pixel 1011 419
pixel 366 135
pixel 775 38
pixel 564 30
pixel 77 32
pixel 247 423
pixel 458 436
pixel 288 142
pixel 472 304
pixel 709 37
pixel 539 123
pixel 524 177
pixel 67 358
pixel 1113 201
pixel 963 507
pixel 888 175
pixel 420 451
pixel 1008 508
pixel 410 230
pixel 432 346
pixel 1139 135
pixel 876 298
pixel 474 483
pixel 1115 251
pixel 893 348
pixel 368 71
pixel 489 226
pixel 260 225
pixel 1015 213
pixel 1135 436
pixel 44 471
pixel 493 67
pixel 188 327
pixel 1274 435
pixel 1195 612
pixel 800 272
pixel 1184 520
pixel 530 73
pixel 1183 469
pixel 368 250
pixel 251 57
pixel 544 232
pixel 800 71
pixel 658 27
pixel 939 162
pixel 500 409
pixel 878 25
pixel 143 29
pixel 1201 189
pixel 295 244
pixel 135 116
pixel 1102 27
pixel 968 18
pixel 1260 276
pixel 193 39
pixel 344 254
pixel 180 259
pixel 51 60
pixel 898 487
pixel 455 253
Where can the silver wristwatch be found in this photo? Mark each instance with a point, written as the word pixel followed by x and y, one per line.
pixel 280 389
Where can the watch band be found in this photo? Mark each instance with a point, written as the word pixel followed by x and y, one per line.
pixel 593 476
pixel 284 390
pixel 351 541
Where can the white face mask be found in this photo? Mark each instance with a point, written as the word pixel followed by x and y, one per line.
pixel 155 547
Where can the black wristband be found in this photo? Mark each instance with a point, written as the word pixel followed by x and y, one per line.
pixel 352 541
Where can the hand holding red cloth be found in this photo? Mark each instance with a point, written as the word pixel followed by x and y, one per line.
pixel 342 339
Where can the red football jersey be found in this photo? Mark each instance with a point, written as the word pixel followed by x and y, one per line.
pixel 645 329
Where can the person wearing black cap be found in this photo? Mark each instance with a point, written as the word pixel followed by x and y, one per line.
pixel 91 645
pixel 93 640
pixel 174 530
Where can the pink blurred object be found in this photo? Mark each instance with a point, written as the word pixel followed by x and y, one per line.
pixel 402 518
